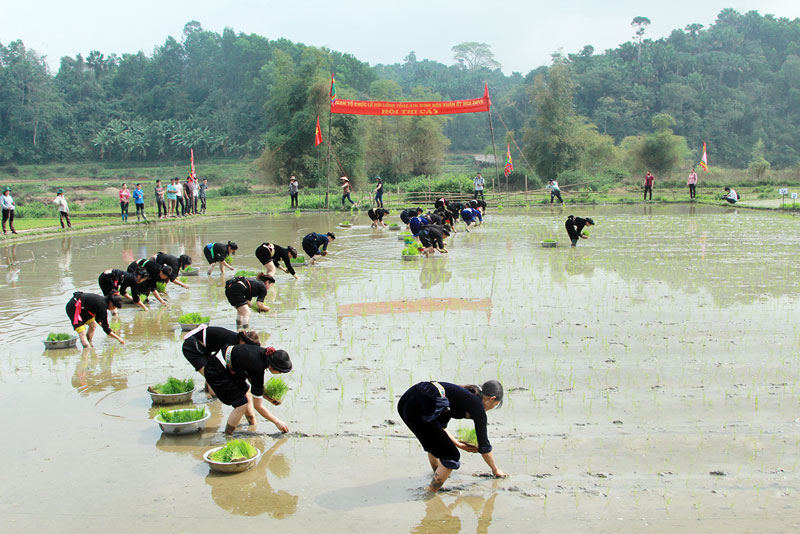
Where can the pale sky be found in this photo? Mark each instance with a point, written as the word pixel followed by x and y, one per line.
pixel 522 34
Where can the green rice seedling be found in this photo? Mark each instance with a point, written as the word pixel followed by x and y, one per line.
pixel 345 223
pixel 161 287
pixel 411 250
pixel 467 435
pixel 173 386
pixel 183 279
pixel 299 259
pixel 548 240
pixel 181 416
pixel 229 259
pixel 58 336
pixel 189 269
pixel 235 450
pixel 193 318
pixel 245 273
pixel 276 388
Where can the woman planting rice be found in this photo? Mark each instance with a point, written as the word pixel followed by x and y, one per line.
pixel 155 273
pixel 407 214
pixel 240 290
pixel 468 215
pixel 87 309
pixel 178 263
pixel 228 376
pixel 376 216
pixel 427 407
pixel 432 238
pixel 216 253
pixel 271 255
pixel 117 281
pixel 204 342
pixel 317 244
pixel 574 226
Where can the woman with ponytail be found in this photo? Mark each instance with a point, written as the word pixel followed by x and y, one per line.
pixel 216 253
pixel 427 407
pixel 240 291
pixel 237 378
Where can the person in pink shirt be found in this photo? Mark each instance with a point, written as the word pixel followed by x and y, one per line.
pixel 692 183
pixel 124 197
pixel 649 180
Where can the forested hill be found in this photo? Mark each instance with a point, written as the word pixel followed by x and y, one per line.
pixel 234 94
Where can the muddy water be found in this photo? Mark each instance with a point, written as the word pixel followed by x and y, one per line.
pixel 662 349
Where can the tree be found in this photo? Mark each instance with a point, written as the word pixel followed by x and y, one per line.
pixel 660 151
pixel 474 56
pixel 640 23
pixel 758 165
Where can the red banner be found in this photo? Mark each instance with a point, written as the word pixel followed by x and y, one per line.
pixel 367 107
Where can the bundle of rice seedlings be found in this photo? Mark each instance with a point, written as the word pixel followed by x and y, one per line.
pixel 58 336
pixel 181 416
pixel 298 259
pixel 467 435
pixel 173 386
pixel 189 269
pixel 276 389
pixel 161 287
pixel 193 318
pixel 229 259
pixel 245 273
pixel 235 450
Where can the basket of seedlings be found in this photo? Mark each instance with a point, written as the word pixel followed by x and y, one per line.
pixel 236 456
pixel 410 253
pixel 345 224
pixel 402 236
pixel 190 271
pixel 185 421
pixel 275 390
pixel 244 273
pixel 467 435
pixel 394 226
pixel 173 391
pixel 549 243
pixel 60 340
pixel 190 321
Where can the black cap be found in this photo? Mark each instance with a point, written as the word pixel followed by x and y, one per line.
pixel 280 361
pixel 590 221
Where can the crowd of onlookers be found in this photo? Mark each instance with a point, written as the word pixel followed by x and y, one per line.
pixel 175 200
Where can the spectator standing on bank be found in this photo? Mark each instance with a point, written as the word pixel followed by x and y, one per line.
pixel 63 208
pixel 379 192
pixel 138 200
pixel 7 203
pixel 172 197
pixel 692 183
pixel 649 180
pixel 124 198
pixel 201 191
pixel 294 188
pixel 479 186
pixel 180 208
pixel 159 194
pixel 195 195
pixel 554 191
pixel 188 197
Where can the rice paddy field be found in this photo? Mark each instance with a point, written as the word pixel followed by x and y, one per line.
pixel 651 376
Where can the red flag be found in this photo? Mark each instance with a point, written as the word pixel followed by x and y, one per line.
pixel 194 176
pixel 317 134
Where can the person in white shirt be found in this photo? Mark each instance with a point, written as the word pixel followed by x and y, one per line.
pixel 63 208
pixel 7 203
pixel 479 184
pixel 554 191
pixel 731 196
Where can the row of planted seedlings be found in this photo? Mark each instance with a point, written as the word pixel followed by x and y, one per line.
pixel 236 455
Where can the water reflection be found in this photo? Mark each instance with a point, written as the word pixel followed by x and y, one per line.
pixel 93 372
pixel 250 493
pixel 439 518
pixel 434 271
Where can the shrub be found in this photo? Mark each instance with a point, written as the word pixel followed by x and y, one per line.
pixel 234 189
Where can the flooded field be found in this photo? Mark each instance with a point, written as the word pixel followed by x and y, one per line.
pixel 651 379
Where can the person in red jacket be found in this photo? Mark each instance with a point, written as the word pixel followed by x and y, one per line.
pixel 649 180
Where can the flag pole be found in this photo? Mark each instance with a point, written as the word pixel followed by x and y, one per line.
pixel 494 149
pixel 332 95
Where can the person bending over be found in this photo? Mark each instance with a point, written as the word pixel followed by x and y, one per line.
pixel 229 375
pixel 178 263
pixel 376 216
pixel 432 238
pixel 216 253
pixel 240 290
pixel 427 407
pixel 317 244
pixel 204 342
pixel 271 256
pixel 85 310
pixel 407 214
pixel 574 226
pixel 155 273
pixel 117 281
pixel 471 217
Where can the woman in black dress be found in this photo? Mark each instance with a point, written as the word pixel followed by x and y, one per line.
pixel 86 310
pixel 240 290
pixel 271 256
pixel 117 281
pixel 205 342
pixel 427 407
pixel 216 253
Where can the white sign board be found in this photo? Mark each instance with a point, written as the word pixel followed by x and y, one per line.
pixel 783 191
pixel 794 196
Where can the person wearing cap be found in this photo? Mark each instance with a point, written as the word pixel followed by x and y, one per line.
pixel 379 192
pixel 432 238
pixel 228 375
pixel 85 310
pixel 346 188
pixel 124 198
pixel 376 216
pixel 317 244
pixel 293 191
pixel 555 191
pixel 138 200
pixel 731 196
pixel 117 281
pixel 178 263
pixel 63 208
pixel 574 226
pixel 7 203
pixel 216 253
pixel 427 407
pixel 240 291
pixel 204 342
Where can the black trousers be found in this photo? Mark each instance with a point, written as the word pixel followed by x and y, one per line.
pixel 161 206
pixel 293 199
pixel 202 204
pixel 62 215
pixel 555 193
pixel 692 190
pixel 180 207
pixel 650 189
pixel 8 216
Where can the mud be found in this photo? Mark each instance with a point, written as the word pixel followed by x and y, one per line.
pixel 651 376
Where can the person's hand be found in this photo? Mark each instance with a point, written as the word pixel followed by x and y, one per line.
pixel 262 308
pixel 283 427
pixel 296 277
pixel 121 342
pixel 324 253
pixel 500 474
pixel 467 447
